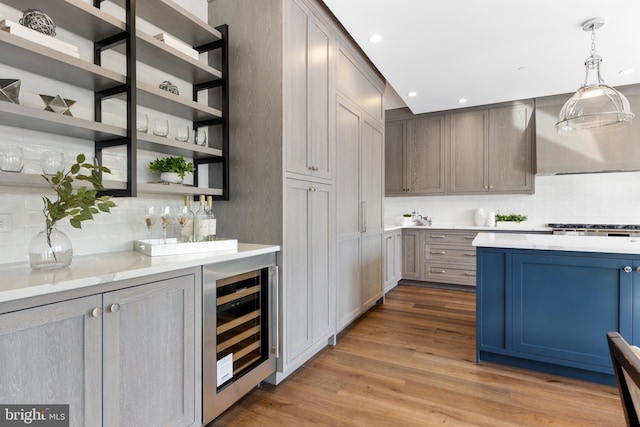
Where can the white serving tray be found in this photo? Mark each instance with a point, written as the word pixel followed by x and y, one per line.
pixel 159 247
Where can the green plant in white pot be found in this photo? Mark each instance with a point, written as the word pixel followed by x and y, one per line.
pixel 52 248
pixel 172 169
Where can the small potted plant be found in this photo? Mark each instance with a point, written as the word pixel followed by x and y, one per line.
pixel 52 248
pixel 510 220
pixel 172 169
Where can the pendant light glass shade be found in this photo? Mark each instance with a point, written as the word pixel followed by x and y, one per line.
pixel 594 105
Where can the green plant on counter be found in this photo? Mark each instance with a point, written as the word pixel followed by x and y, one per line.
pixel 81 204
pixel 511 218
pixel 172 164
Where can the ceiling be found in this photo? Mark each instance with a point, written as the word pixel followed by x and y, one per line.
pixel 493 50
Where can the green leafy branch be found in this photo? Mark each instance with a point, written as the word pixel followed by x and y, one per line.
pixel 80 205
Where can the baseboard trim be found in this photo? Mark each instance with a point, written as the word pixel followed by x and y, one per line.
pixel 448 286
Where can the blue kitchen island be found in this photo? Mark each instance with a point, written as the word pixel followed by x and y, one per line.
pixel 545 302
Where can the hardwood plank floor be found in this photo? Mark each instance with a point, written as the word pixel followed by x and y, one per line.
pixel 411 362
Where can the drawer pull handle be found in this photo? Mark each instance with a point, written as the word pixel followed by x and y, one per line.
pixel 437 236
pixel 469 237
pixel 432 270
pixel 470 274
pixel 469 254
pixel 437 252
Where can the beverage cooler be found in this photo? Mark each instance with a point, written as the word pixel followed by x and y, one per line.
pixel 239 308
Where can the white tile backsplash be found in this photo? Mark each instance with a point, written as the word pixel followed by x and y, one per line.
pixel 586 198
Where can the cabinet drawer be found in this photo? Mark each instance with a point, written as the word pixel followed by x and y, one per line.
pixel 447 273
pixel 450 254
pixel 448 237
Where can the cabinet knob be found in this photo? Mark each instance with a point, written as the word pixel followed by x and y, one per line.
pixel 628 269
pixel 96 312
pixel 638 269
pixel 114 307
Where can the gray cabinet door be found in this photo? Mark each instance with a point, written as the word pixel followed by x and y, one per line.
pixel 53 355
pixel 510 149
pixel 149 361
pixel 307 294
pixel 307 50
pixel 469 151
pixel 397 241
pixel 426 143
pixel 412 241
pixel 394 159
pixel 320 252
pixel 359 212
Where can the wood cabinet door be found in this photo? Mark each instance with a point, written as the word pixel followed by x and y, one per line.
pixel 426 143
pixel 53 355
pixel 412 240
pixel 394 159
pixel 371 261
pixel 149 360
pixel 348 131
pixel 389 259
pixel 297 276
pixel 469 142
pixel 510 149
pixel 321 301
pixel 307 51
pixel 397 264
pixel 296 96
pixel 371 179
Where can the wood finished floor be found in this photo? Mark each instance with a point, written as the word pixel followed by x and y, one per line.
pixel 411 362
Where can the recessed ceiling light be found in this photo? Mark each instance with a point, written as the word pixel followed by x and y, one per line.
pixel 376 38
pixel 462 100
pixel 625 71
pixel 412 94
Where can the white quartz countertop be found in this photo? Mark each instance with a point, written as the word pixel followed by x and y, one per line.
pixel 550 242
pixel 509 228
pixel 18 280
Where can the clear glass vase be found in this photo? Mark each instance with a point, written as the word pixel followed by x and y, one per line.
pixel 47 255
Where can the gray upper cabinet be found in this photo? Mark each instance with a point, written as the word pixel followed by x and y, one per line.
pixel 469 148
pixel 470 151
pixel 308 45
pixel 415 156
pixel 492 150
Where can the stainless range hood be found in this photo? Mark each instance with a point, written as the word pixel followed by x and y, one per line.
pixel 605 150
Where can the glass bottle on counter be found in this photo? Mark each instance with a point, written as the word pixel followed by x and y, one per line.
pixel 212 219
pixel 201 231
pixel 185 219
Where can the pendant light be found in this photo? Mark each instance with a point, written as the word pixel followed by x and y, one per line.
pixel 594 105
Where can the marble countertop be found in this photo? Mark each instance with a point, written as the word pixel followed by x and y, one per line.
pixel 18 280
pixel 550 242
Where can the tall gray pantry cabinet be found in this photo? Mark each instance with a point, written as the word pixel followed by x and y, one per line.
pixel 288 79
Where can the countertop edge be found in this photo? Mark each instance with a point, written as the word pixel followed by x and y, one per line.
pixel 511 229
pixel 549 242
pixel 19 281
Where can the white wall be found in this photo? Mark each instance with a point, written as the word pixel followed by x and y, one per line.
pixel 589 198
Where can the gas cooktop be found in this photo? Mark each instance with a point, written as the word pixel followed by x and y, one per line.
pixel 596 226
pixel 623 230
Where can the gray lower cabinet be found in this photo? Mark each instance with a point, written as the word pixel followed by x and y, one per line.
pixel 125 357
pixel 449 257
pixel 307 295
pixel 411 254
pixel 392 259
